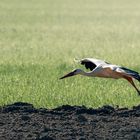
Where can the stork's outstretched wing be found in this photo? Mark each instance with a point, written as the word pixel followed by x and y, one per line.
pixel 91 63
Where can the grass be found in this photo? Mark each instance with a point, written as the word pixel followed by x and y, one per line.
pixel 40 39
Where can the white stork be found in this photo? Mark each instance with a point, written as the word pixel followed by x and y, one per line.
pixel 100 68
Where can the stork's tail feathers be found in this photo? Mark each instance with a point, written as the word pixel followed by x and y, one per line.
pixel 134 74
pixel 137 77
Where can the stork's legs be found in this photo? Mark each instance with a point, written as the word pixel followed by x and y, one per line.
pixel 130 80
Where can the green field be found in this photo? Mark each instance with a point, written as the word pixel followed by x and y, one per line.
pixel 40 38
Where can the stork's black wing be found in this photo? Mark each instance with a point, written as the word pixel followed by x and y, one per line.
pixel 88 65
pixel 91 63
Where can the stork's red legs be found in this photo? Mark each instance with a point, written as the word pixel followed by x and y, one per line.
pixel 130 80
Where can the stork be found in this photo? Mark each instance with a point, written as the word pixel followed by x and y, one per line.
pixel 100 68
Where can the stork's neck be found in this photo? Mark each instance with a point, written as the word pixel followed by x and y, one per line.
pixel 86 73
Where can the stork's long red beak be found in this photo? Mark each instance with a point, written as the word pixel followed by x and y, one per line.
pixel 68 75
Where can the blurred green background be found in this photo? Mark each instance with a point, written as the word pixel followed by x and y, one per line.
pixel 40 39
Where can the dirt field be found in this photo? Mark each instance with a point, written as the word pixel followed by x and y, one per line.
pixel 21 121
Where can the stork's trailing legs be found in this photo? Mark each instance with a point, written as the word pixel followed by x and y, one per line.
pixel 130 80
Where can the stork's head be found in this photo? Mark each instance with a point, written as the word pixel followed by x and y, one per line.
pixel 74 72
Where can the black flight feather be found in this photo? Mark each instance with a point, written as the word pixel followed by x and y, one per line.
pixel 88 65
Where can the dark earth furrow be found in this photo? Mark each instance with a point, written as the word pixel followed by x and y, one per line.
pixel 21 121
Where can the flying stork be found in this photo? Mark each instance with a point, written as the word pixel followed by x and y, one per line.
pixel 100 68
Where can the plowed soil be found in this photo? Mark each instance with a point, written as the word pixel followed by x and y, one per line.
pixel 21 121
